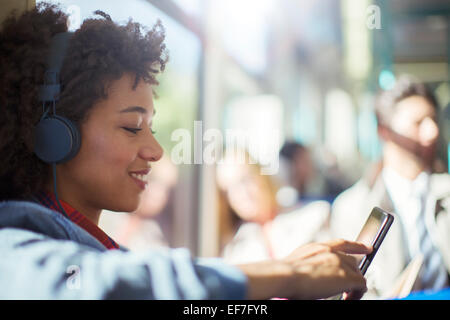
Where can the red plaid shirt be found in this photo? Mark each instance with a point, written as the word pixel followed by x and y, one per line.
pixel 48 200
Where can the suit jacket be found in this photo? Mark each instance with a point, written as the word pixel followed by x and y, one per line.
pixel 351 209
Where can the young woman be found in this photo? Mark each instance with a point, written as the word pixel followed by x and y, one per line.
pixel 55 249
pixel 253 227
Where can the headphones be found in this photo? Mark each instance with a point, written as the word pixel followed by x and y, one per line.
pixel 57 139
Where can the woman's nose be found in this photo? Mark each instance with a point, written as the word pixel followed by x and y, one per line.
pixel 152 150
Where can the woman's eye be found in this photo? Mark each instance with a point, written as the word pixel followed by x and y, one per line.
pixel 132 130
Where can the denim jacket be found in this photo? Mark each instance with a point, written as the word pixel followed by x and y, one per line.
pixel 43 255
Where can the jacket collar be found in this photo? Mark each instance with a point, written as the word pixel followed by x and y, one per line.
pixel 48 200
pixel 36 218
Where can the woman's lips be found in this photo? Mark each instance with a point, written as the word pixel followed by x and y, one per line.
pixel 141 184
pixel 144 172
pixel 140 177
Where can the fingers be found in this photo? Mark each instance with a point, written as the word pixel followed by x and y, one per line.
pixel 355 281
pixel 344 248
pixel 328 268
pixel 356 285
pixel 349 261
pixel 349 247
pixel 350 265
pixel 353 295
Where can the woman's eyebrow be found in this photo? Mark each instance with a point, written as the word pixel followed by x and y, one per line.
pixel 135 109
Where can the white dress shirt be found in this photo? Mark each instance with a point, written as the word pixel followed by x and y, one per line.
pixel 411 203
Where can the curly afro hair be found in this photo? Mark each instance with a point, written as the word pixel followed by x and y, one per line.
pixel 99 53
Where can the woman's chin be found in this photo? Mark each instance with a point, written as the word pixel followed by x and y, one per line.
pixel 129 206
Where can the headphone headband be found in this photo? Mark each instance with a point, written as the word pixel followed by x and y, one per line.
pixel 57 139
pixel 51 88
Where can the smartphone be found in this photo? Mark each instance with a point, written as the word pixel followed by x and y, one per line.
pixel 373 234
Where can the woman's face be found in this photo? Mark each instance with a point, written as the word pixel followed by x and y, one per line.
pixel 249 196
pixel 117 147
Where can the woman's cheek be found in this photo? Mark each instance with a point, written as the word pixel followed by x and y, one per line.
pixel 107 147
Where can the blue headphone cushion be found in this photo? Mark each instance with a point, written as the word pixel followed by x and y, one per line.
pixel 57 139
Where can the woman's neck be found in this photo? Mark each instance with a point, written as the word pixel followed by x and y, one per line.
pixel 89 212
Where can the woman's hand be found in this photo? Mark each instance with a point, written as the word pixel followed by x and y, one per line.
pixel 313 271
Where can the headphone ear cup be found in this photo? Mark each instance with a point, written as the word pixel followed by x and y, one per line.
pixel 57 139
pixel 76 138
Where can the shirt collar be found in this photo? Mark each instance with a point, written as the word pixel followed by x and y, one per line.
pixel 403 186
pixel 48 200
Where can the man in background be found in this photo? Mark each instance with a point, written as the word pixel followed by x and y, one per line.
pixel 405 185
pixel 312 178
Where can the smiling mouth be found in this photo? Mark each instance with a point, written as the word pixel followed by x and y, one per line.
pixel 140 178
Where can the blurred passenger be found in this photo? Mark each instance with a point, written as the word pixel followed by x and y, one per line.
pixel 253 227
pixel 405 185
pixel 300 168
pixel 335 181
pixel 142 228
pixel 311 181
